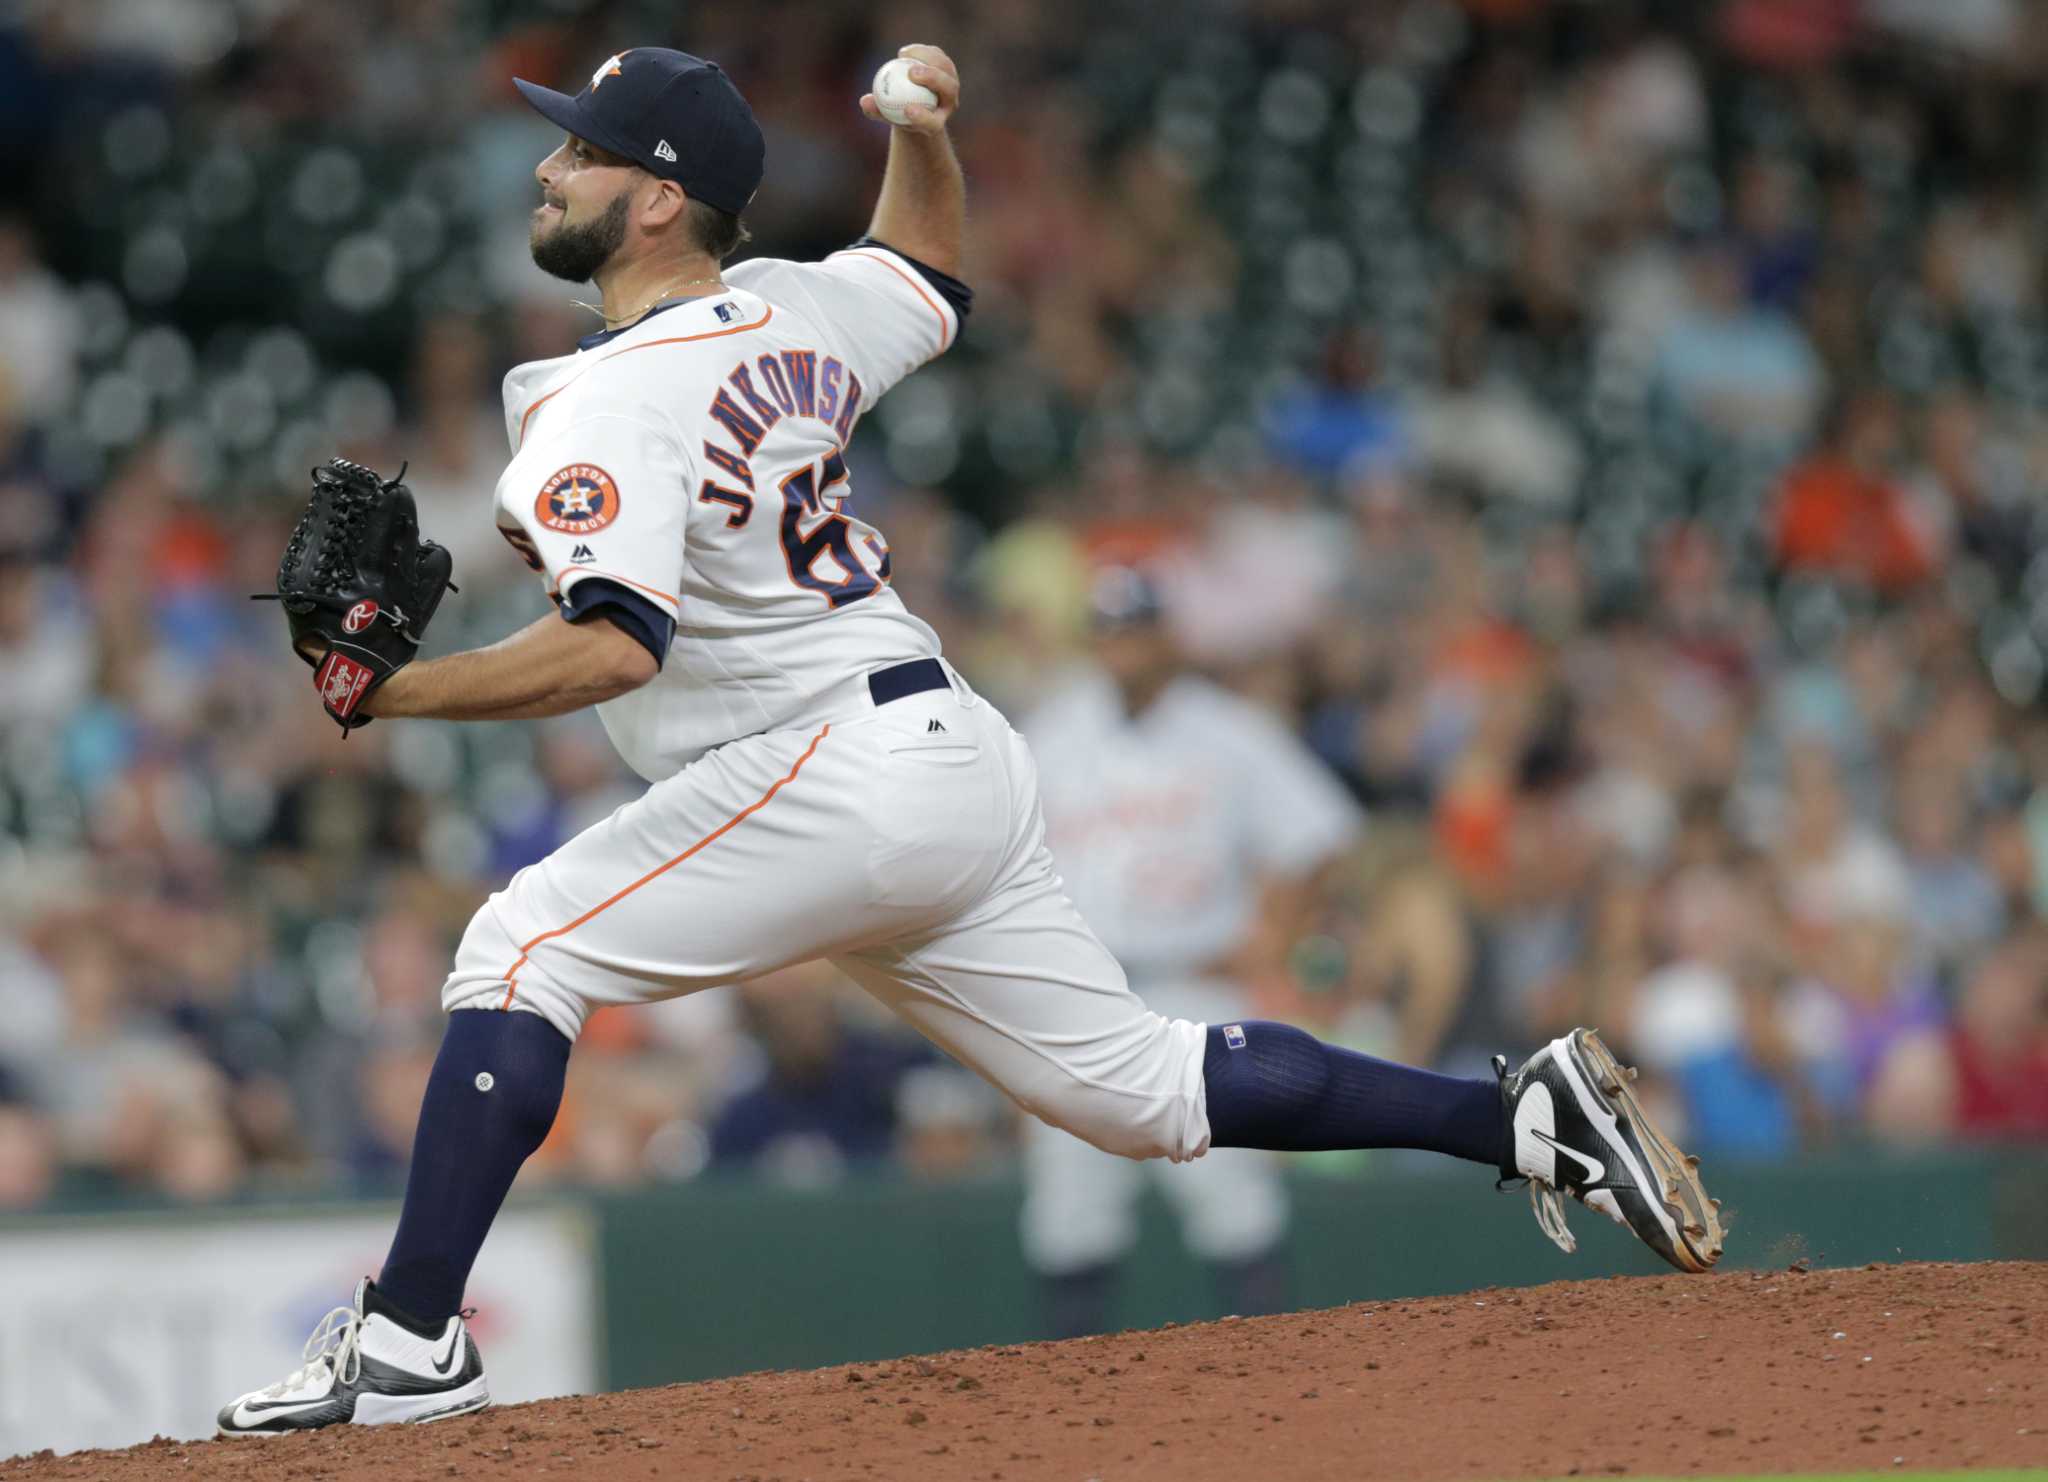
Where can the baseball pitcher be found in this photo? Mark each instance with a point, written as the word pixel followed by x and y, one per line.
pixel 823 783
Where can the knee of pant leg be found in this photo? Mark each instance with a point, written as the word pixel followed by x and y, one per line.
pixel 1128 1125
pixel 489 974
pixel 1155 1116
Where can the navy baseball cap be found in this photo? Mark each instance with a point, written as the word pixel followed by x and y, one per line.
pixel 675 115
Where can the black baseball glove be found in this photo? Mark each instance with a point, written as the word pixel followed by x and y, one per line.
pixel 358 584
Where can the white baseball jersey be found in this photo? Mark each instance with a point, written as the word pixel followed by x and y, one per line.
pixel 1163 824
pixel 696 459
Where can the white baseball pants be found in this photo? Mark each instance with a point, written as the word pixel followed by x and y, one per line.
pixel 902 841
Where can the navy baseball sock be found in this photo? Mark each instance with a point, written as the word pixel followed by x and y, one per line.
pixel 1274 1086
pixel 491 1098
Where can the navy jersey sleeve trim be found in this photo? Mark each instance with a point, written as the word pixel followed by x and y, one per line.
pixel 950 288
pixel 640 619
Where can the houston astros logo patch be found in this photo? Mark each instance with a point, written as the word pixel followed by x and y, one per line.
pixel 578 500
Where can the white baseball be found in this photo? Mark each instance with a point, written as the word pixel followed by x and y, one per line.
pixel 894 91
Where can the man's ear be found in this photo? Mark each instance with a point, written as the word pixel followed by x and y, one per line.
pixel 662 202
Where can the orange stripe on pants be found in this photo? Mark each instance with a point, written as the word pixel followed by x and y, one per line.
pixel 525 952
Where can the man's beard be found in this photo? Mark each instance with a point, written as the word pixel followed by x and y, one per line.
pixel 577 252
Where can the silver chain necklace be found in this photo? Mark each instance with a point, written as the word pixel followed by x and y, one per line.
pixel 661 293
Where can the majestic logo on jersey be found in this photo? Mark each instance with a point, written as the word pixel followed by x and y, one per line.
pixel 359 617
pixel 578 500
pixel 609 69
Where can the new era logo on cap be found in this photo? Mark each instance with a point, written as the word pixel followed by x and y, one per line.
pixel 665 150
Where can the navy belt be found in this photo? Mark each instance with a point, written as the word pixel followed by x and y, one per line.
pixel 913 678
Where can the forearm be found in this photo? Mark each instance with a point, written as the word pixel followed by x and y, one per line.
pixel 550 667
pixel 1261 955
pixel 1421 923
pixel 922 208
pixel 1436 986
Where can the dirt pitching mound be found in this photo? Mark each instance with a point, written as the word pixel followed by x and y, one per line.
pixel 1913 1366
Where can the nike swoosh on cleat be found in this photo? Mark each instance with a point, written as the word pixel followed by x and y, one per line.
pixel 1597 1169
pixel 444 1368
pixel 244 1416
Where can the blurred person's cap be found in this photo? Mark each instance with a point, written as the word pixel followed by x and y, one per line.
pixel 1123 597
pixel 674 115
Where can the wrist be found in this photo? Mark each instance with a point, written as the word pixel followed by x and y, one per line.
pixel 390 699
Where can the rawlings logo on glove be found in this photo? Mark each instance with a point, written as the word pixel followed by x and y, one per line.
pixel 358 585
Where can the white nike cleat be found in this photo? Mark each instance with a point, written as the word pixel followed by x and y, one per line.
pixel 1578 1129
pixel 365 1367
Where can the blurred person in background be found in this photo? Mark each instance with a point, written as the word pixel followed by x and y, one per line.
pixel 821 1097
pixel 1828 863
pixel 1484 429
pixel 456 447
pixel 28 1150
pixel 1710 1023
pixel 631 1113
pixel 40 328
pixel 47 659
pixel 1956 909
pixel 575 781
pixel 1713 920
pixel 1188 828
pixel 1342 421
pixel 1411 944
pixel 391 1068
pixel 1998 1047
pixel 129 1098
pixel 1846 511
pixel 1864 1015
pixel 1728 369
pixel 1749 1095
pixel 949 1123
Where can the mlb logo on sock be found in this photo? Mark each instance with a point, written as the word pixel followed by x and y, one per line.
pixel 1233 1036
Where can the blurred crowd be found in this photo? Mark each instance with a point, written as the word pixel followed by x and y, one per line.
pixel 1612 434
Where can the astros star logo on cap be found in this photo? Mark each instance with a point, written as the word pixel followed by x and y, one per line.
pixel 609 69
